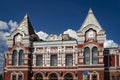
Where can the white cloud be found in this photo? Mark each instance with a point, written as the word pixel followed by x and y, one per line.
pixel 2 38
pixel 42 35
pixel 110 44
pixel 13 25
pixel 71 33
pixel 3 34
pixel 107 44
pixel 3 25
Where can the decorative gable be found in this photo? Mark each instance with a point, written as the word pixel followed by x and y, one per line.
pixel 91 23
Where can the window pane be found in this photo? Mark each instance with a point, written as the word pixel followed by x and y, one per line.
pixel 94 61
pixel 69 60
pixel 14 77
pixel 87 61
pixel 118 77
pixel 21 57
pixel 86 55
pixel 20 77
pixel 113 77
pixel 94 55
pixel 53 60
pixel 14 57
pixel 39 61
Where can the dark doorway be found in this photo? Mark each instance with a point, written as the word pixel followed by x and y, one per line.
pixel 53 76
pixel 68 76
pixel 38 77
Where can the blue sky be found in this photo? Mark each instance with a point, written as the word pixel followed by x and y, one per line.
pixel 59 16
pixel 56 16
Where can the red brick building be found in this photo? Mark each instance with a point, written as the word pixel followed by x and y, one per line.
pixel 61 57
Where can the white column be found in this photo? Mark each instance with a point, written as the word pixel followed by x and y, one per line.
pixel 76 58
pixel 17 59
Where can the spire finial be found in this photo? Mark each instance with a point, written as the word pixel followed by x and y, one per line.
pixel 90 11
pixel 26 16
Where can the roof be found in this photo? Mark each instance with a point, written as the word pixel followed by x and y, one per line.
pixel 26 26
pixel 90 19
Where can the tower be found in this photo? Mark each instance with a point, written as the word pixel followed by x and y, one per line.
pixel 90 47
pixel 18 58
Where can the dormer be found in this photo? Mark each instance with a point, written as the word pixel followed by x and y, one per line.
pixel 91 29
pixel 23 34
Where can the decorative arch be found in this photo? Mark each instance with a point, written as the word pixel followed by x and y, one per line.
pixel 17 38
pixel 14 75
pixel 38 76
pixel 53 76
pixel 95 75
pixel 43 75
pixel 91 45
pixel 70 75
pixel 17 32
pixel 14 58
pixel 20 76
pixel 94 27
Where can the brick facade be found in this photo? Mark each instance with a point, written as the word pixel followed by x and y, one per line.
pixel 66 58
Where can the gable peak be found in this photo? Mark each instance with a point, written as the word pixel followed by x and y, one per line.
pixel 90 11
pixel 26 26
pixel 90 20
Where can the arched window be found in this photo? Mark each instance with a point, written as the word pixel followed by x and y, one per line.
pixel 94 55
pixel 21 57
pixel 87 55
pixel 14 58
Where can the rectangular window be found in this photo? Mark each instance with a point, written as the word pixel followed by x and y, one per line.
pixel 39 61
pixel 69 60
pixel 53 60
pixel 20 77
pixel 14 77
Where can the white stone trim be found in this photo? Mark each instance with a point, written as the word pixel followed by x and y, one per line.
pixel 91 65
pixel 90 69
pixel 17 69
pixel 17 75
pixel 13 73
pixel 119 59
